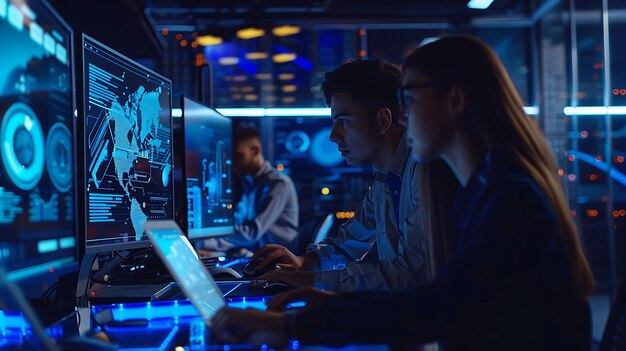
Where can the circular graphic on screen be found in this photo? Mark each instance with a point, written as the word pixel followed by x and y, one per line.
pixel 165 175
pixel 59 157
pixel 22 146
pixel 297 142
pixel 323 150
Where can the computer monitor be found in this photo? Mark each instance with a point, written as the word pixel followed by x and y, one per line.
pixel 208 171
pixel 128 148
pixel 37 191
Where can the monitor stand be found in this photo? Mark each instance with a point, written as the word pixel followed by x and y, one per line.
pixel 97 293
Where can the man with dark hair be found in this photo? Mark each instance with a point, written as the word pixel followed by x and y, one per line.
pixel 382 246
pixel 268 210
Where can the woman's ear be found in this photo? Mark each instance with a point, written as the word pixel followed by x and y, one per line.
pixel 384 120
pixel 458 101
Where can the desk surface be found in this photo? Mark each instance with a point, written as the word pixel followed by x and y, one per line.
pixel 171 325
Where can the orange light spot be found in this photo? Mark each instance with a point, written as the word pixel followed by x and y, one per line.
pixel 362 32
pixel 280 167
pixel 622 92
pixel 571 158
pixel 619 159
pixel 622 213
pixel 165 32
pixel 179 36
pixel 584 134
pixel 183 43
pixel 561 172
pixel 592 213
pixel 593 177
pixel 571 177
pixel 615 214
pixel 615 91
pixel 361 53
pixel 194 45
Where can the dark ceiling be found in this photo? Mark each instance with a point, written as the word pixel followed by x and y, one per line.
pixel 132 26
pixel 269 12
pixel 120 24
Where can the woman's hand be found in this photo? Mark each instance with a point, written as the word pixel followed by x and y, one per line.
pixel 233 325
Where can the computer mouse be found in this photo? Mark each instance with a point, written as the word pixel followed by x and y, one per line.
pixel 272 289
pixel 224 273
pixel 250 271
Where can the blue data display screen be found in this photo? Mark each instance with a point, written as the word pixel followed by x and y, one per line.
pixel 208 169
pixel 128 145
pixel 37 231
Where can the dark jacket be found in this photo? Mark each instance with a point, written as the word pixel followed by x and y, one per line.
pixel 507 287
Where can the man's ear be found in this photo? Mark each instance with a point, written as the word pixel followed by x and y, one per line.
pixel 384 120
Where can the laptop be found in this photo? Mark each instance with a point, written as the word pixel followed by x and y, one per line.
pixel 181 260
pixel 37 339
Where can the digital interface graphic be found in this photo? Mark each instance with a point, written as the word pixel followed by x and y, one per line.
pixel 37 231
pixel 189 271
pixel 303 144
pixel 209 173
pixel 128 146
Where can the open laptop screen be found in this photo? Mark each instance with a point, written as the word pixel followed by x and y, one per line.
pixel 180 259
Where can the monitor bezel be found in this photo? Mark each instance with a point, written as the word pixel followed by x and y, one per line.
pixel 145 242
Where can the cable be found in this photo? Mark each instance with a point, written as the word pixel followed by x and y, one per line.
pixel 47 293
pixel 122 257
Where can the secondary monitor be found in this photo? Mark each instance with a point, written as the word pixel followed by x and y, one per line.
pixel 37 192
pixel 208 171
pixel 128 148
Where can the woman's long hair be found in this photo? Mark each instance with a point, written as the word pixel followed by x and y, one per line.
pixel 494 115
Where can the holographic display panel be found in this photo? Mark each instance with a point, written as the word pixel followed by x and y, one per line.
pixel 128 146
pixel 303 146
pixel 37 232
pixel 208 170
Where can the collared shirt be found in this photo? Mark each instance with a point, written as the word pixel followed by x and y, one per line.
pixel 381 247
pixel 508 287
pixel 267 213
pixel 394 186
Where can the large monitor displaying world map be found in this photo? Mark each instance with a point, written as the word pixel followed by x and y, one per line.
pixel 128 148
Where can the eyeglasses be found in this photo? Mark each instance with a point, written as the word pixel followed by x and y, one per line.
pixel 405 99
